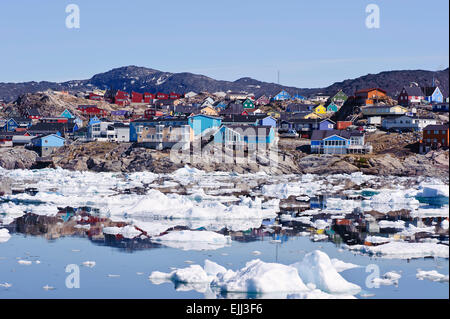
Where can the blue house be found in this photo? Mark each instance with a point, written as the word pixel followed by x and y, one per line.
pixel 267 121
pixel 282 96
pixel 299 97
pixel 94 120
pixel 326 125
pixel 201 122
pixel 338 142
pixel 67 114
pixel 221 105
pixel 14 123
pixel 241 136
pixel 47 144
pixel 433 94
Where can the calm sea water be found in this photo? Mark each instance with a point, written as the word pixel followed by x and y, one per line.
pixel 131 261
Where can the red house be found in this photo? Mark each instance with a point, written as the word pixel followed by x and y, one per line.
pixel 174 96
pixel 93 110
pixel 137 97
pixel 148 97
pixel 149 113
pixel 95 97
pixel 122 98
pixel 162 96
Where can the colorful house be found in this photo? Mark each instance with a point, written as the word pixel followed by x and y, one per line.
pixel 338 142
pixel 33 114
pixel 370 96
pixel 312 116
pixel 433 94
pixel 320 109
pixel 137 97
pixel 244 136
pixel 66 113
pixel 149 97
pixel 410 96
pixel 263 100
pixel 339 98
pixel 209 110
pixel 248 104
pixel 47 144
pixel 282 96
pixel 332 107
pixel 17 124
pixel 201 123
pixel 435 136
pixel 162 96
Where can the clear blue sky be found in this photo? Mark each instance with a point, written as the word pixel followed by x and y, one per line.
pixel 312 43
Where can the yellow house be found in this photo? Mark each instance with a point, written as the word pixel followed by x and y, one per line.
pixel 320 109
pixel 274 114
pixel 208 110
pixel 313 116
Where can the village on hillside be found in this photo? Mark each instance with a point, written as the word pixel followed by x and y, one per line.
pixel 337 124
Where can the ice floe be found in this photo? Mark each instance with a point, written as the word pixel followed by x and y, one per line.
pixel 263 278
pixel 431 275
pixel 317 268
pixel 403 250
pixel 4 235
pixel 194 240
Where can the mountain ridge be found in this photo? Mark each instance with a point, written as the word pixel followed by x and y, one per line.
pixel 140 79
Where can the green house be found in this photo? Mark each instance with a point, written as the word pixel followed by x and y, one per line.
pixel 248 104
pixel 339 97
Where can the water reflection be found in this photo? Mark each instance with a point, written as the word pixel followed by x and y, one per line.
pixel 295 219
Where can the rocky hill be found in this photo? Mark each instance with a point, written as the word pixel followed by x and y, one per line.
pixel 140 79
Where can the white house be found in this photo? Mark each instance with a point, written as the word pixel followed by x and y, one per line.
pixel 407 123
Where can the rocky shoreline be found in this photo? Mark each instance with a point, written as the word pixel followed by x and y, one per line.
pixel 125 157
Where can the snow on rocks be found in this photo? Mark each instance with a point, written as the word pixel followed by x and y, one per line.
pixel 194 240
pixel 431 275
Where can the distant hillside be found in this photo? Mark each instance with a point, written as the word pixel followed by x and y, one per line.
pixel 393 81
pixel 140 79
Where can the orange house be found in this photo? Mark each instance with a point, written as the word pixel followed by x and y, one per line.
pixel 436 136
pixel 370 96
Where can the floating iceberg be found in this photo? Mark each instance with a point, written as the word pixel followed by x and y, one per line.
pixel 194 240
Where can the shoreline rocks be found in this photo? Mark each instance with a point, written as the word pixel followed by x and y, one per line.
pixel 123 157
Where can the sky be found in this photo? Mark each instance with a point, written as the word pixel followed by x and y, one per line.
pixel 311 43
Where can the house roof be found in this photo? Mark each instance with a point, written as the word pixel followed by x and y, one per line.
pixel 251 130
pixel 371 89
pixel 295 107
pixel 436 127
pixel 33 112
pixel 243 118
pixel 47 135
pixel 318 135
pixel 413 91
pixel 52 127
pixel 428 90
